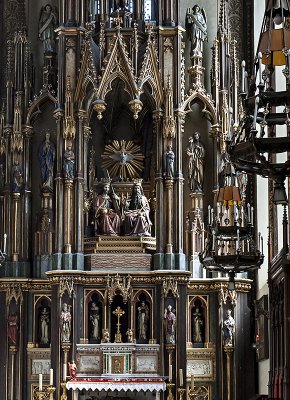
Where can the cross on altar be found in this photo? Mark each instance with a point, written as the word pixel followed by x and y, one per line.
pixel 119 313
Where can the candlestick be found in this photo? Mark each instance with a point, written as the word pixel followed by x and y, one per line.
pixel 170 387
pixel 51 390
pixel 180 392
pixel 180 377
pixel 255 113
pixel 170 372
pixel 40 382
pixel 64 395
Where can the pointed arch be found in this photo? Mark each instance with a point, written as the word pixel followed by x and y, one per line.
pixel 150 74
pixel 118 66
pixel 34 109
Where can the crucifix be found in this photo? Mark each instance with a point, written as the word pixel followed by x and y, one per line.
pixel 118 312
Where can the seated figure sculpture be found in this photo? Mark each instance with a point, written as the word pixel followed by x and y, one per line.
pixel 137 221
pixel 107 219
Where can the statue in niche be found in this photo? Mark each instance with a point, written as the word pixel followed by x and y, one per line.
pixel 17 177
pixel 13 327
pixel 169 162
pixel 46 156
pixel 68 162
pixel 137 221
pixel 197 323
pixel 143 319
pixel 2 177
pixel 229 329
pixel 108 221
pixel 170 320
pixel 65 323
pixel 120 5
pixel 46 27
pixel 95 321
pixel 196 157
pixel 44 325
pixel 196 22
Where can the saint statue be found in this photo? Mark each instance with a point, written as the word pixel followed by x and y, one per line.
pixel 107 220
pixel 196 157
pixel 68 162
pixel 143 318
pixel 95 320
pixel 65 323
pixel 44 325
pixel 197 322
pixel 170 319
pixel 137 221
pixel 13 326
pixel 169 162
pixel 196 23
pixel 72 370
pixel 17 177
pixel 46 156
pixel 46 27
pixel 229 329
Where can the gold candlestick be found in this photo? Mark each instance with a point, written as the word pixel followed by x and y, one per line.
pixel 51 390
pixel 198 392
pixel 180 392
pixel 63 396
pixel 170 387
pixel 40 395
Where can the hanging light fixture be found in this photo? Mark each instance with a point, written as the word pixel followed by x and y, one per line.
pixel 254 149
pixel 230 246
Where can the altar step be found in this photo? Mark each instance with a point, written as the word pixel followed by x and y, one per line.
pixel 119 244
pixel 118 252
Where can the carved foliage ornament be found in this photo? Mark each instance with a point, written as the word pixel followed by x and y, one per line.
pixel 170 285
pixel 118 285
pixel 66 284
pixel 225 295
pixel 14 292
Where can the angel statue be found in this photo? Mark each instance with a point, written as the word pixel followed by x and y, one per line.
pixel 196 23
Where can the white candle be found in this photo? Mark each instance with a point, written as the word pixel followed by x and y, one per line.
pixel 170 372
pixel 51 377
pixel 209 221
pixel 64 372
pixel 243 75
pixel 260 67
pixel 192 382
pixel 252 216
pixel 249 213
pixel 180 377
pixel 246 83
pixel 213 241
pixel 4 243
pixel 40 382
